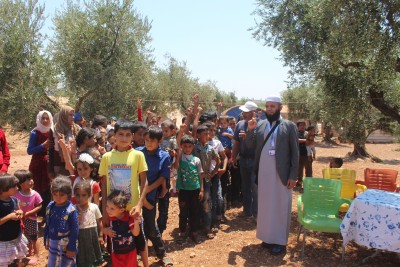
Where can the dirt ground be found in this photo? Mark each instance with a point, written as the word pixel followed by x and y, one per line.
pixel 236 245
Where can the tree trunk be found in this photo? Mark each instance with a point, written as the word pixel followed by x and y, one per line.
pixel 360 151
pixel 327 134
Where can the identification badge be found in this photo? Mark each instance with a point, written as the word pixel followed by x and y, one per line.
pixel 272 152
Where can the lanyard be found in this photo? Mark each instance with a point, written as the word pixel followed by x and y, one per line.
pixel 271 132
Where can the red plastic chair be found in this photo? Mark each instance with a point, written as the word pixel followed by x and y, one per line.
pixel 383 179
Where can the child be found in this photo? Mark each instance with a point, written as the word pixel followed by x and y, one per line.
pixel 62 228
pixel 310 143
pixel 85 142
pixel 336 163
pixel 190 186
pixel 138 128
pixel 206 154
pixel 90 227
pixel 12 241
pixel 121 169
pixel 110 145
pixel 220 189
pixel 122 230
pixel 232 123
pixel 101 141
pixel 31 203
pixel 170 145
pixel 158 162
pixel 225 134
pixel 85 166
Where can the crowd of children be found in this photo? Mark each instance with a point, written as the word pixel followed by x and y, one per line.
pixel 105 196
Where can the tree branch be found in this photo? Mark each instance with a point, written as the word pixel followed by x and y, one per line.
pixel 112 48
pixel 378 101
pixel 354 64
pixel 83 98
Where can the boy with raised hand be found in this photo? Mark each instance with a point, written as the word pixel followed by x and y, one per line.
pixel 121 169
pixel 220 189
pixel 159 163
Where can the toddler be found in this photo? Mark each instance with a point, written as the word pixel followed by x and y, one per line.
pixel 13 244
pixel 121 231
pixel 31 203
pixel 62 228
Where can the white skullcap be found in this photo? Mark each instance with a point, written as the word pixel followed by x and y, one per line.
pixel 275 99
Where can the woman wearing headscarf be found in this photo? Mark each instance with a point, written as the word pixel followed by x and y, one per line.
pixel 64 127
pixel 37 147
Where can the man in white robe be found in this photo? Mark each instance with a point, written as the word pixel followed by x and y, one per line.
pixel 276 166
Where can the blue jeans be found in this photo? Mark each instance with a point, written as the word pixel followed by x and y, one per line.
pixel 249 188
pixel 212 202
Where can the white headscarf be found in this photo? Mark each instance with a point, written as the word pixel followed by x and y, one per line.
pixel 39 126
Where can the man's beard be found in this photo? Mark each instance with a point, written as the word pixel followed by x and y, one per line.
pixel 274 117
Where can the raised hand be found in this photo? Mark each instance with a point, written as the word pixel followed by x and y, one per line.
pixel 183 128
pixel 139 103
pixel 196 99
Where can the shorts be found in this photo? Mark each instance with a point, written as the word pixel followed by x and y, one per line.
pixel 124 260
pixel 31 229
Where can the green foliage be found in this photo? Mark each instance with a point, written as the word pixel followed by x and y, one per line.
pixel 24 70
pixel 99 59
pixel 101 49
pixel 349 48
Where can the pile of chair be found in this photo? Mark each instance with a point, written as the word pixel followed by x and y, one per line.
pixel 319 205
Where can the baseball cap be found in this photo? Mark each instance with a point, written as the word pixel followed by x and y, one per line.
pixel 248 106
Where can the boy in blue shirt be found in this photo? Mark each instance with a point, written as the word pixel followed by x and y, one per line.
pixel 158 162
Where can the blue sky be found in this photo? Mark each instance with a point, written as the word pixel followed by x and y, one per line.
pixel 212 37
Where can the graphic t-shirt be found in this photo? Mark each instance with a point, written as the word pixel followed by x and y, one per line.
pixel 206 154
pixel 169 143
pixel 123 242
pixel 122 171
pixel 188 173
pixel 29 202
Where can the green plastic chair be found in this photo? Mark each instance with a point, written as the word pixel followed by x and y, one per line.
pixel 318 207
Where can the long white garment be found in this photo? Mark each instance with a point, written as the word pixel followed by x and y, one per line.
pixel 274 201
